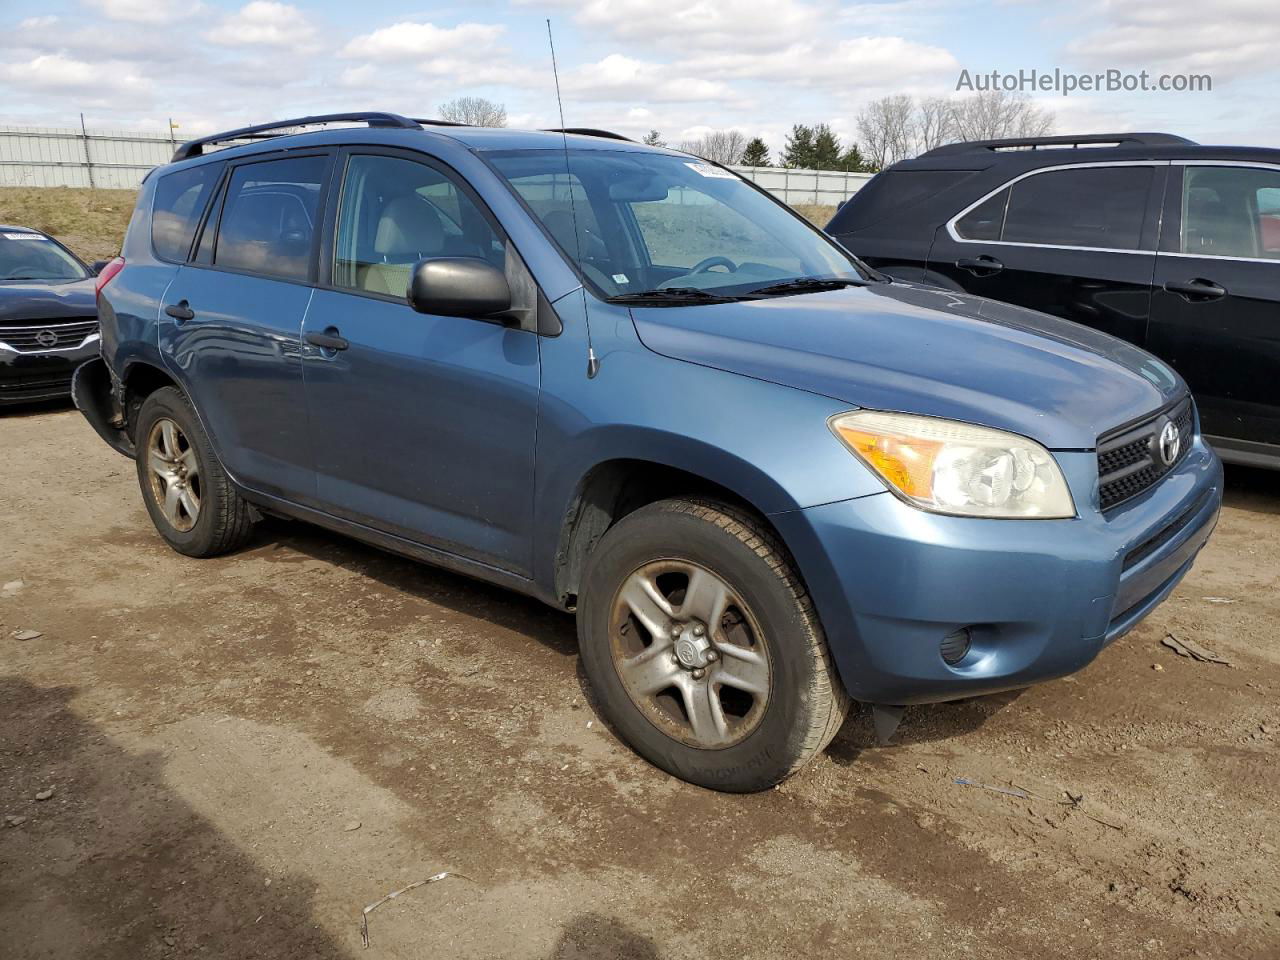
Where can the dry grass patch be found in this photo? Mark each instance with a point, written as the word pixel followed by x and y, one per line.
pixel 90 222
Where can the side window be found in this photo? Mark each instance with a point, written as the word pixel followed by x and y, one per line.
pixel 180 199
pixel 558 199
pixel 1086 207
pixel 986 220
pixel 395 212
pixel 1231 212
pixel 269 217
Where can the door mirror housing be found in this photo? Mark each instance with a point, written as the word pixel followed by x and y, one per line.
pixel 98 265
pixel 459 287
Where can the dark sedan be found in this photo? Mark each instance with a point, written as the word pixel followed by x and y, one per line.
pixel 48 316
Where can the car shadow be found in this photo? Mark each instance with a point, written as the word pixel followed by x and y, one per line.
pixel 1252 489
pixel 463 595
pixel 591 936
pixel 115 864
pixel 36 408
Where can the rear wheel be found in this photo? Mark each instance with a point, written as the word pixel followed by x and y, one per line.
pixel 187 493
pixel 704 649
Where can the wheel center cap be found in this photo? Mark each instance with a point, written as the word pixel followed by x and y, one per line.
pixel 691 648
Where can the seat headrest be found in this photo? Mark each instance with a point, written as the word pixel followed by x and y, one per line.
pixel 408 225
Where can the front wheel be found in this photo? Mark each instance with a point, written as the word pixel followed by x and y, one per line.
pixel 703 647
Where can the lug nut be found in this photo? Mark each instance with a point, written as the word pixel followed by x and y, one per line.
pixel 698 630
pixel 675 630
pixel 712 656
pixel 699 674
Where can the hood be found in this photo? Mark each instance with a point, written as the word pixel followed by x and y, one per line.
pixel 45 300
pixel 918 349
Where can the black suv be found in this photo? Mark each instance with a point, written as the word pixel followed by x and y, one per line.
pixel 1151 237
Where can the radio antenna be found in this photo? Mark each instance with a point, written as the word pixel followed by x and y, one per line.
pixel 593 362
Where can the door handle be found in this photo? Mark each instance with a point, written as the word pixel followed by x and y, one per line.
pixel 983 266
pixel 1197 290
pixel 329 340
pixel 180 311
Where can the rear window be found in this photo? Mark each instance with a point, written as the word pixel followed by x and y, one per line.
pixel 889 192
pixel 268 221
pixel 180 200
pixel 1101 207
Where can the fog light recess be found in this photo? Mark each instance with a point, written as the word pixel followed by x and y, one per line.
pixel 955 646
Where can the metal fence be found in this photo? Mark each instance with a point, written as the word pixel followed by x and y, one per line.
pixel 53 157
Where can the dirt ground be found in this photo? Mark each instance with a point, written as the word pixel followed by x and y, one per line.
pixel 245 752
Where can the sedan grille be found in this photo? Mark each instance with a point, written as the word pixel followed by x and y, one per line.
pixel 1133 458
pixel 55 335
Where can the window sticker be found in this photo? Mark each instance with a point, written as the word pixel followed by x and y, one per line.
pixel 620 278
pixel 24 236
pixel 707 170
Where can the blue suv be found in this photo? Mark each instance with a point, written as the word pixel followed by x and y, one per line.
pixel 625 381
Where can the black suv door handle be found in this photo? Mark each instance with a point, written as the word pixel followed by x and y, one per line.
pixel 1197 290
pixel 983 266
pixel 329 340
pixel 180 311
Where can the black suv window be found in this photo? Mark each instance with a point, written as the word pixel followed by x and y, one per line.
pixel 1231 212
pixel 1086 207
pixel 268 222
pixel 179 201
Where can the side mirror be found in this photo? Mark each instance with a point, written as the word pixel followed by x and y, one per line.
pixel 458 287
pixel 98 265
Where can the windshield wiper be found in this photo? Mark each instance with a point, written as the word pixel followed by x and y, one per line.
pixel 806 285
pixel 671 295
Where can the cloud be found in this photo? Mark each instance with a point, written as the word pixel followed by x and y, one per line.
pixel 56 74
pixel 618 77
pixel 856 63
pixel 413 41
pixel 147 11
pixel 264 23
pixel 1234 37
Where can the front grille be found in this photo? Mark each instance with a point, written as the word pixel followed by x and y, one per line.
pixel 1166 533
pixel 1129 460
pixel 55 335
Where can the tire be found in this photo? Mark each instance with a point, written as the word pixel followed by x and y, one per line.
pixel 209 517
pixel 770 720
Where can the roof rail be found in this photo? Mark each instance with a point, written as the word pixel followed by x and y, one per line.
pixel 590 132
pixel 195 148
pixel 1037 143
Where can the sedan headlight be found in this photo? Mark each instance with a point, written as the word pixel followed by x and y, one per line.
pixel 957 468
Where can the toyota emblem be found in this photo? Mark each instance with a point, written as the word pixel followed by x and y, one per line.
pixel 1170 443
pixel 47 338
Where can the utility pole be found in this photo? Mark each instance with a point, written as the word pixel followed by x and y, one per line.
pixel 88 161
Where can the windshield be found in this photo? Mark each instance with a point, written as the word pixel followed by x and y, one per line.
pixel 33 256
pixel 653 222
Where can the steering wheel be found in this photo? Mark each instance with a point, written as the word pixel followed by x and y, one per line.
pixel 702 266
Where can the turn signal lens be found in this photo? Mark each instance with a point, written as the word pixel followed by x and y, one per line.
pixel 957 468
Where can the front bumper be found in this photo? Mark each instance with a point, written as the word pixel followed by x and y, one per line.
pixel 1040 598
pixel 45 375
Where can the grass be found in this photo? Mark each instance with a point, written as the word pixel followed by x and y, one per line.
pixel 92 222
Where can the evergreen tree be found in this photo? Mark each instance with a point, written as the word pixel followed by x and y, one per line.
pixel 798 151
pixel 654 139
pixel 854 162
pixel 826 149
pixel 756 154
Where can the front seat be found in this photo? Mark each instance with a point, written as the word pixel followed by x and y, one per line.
pixel 408 231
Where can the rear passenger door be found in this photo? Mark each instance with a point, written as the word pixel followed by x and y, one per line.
pixel 1077 242
pixel 231 322
pixel 1216 307
pixel 423 426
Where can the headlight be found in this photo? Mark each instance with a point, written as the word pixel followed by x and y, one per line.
pixel 957 468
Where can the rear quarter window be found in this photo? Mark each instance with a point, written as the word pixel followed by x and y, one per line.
pixel 180 199
pixel 890 192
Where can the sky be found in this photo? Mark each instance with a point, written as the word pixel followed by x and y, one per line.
pixel 682 67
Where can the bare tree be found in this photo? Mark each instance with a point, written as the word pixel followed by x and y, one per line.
pixel 476 111
pixel 995 114
pixel 887 130
pixel 934 123
pixel 721 146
